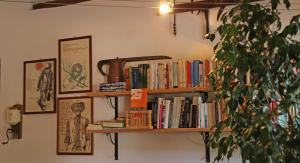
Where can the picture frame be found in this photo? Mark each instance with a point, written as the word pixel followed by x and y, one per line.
pixel 39 86
pixel 75 64
pixel 72 137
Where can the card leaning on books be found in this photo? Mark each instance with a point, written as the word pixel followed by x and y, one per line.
pixel 138 98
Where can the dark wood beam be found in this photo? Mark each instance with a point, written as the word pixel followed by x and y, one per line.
pixel 55 3
pixel 204 5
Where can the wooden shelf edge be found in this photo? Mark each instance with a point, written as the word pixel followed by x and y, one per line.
pixel 156 91
pixel 166 130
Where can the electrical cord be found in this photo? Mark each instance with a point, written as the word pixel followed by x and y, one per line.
pixel 110 138
pixel 7 136
pixel 110 102
pixel 129 6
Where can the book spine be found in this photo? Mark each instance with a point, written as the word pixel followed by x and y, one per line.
pixel 135 77
pixel 170 114
pixel 186 114
pixel 159 112
pixel 167 76
pixel 140 81
pixel 194 116
pixel 170 75
pixel 207 71
pixel 175 74
pixel 126 78
pixel 196 73
pixel 130 77
pixel 201 77
pixel 205 116
pixel 181 118
pixel 167 112
pixel 174 112
pixel 184 83
pixel 154 115
pixel 148 76
pixel 188 74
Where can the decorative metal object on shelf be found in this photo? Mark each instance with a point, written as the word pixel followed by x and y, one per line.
pixel 116 66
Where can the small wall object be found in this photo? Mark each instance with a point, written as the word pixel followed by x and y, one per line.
pixel 73 116
pixel 14 119
pixel 39 95
pixel 75 65
pixel 139 119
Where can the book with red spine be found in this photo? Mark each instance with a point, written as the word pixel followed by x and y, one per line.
pixel 188 74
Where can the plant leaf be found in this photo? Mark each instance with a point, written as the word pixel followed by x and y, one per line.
pixel 221 10
pixel 274 4
pixel 287 3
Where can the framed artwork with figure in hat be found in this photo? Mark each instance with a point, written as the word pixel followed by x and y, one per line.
pixel 73 116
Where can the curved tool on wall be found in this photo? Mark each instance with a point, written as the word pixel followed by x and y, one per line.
pixel 116 66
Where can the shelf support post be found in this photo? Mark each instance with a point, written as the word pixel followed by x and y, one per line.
pixel 116 134
pixel 207 149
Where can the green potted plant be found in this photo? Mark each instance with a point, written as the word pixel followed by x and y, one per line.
pixel 263 112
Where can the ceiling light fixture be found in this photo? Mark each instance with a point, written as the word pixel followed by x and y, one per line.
pixel 165 7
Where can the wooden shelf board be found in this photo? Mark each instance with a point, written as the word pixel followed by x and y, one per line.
pixel 165 130
pixel 100 94
pixel 158 91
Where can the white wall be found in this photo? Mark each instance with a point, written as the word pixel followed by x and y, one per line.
pixel 30 35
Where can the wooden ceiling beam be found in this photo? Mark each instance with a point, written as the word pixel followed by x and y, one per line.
pixel 55 3
pixel 204 5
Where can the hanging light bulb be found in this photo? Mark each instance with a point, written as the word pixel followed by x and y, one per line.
pixel 165 7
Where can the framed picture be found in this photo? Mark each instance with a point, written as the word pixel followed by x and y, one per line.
pixel 75 65
pixel 39 94
pixel 73 116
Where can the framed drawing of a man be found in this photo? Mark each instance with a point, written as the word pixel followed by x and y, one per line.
pixel 75 64
pixel 39 94
pixel 73 116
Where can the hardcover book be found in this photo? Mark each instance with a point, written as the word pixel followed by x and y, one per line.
pixel 138 98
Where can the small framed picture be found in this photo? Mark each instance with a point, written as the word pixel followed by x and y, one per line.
pixel 75 65
pixel 39 89
pixel 73 116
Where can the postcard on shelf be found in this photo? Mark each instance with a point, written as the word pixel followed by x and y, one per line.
pixel 138 98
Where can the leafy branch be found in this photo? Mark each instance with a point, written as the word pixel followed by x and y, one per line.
pixel 264 115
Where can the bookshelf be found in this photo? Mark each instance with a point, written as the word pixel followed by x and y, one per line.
pixel 173 77
pixel 204 131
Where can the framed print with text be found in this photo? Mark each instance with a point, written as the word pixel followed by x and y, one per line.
pixel 39 90
pixel 75 65
pixel 73 116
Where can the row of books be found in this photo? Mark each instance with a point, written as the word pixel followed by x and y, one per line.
pixel 286 119
pixel 184 112
pixel 181 73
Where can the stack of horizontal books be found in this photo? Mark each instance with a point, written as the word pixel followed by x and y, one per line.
pixel 113 124
pixel 99 125
pixel 112 87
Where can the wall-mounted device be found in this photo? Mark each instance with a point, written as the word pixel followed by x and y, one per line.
pixel 14 119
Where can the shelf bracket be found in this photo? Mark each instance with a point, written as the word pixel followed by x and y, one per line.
pixel 207 149
pixel 116 142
